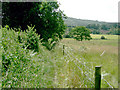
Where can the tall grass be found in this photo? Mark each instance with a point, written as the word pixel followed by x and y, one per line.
pixel 99 53
pixel 51 69
pixel 76 62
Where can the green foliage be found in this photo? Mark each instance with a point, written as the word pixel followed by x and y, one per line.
pixel 93 26
pixel 22 67
pixel 50 69
pixel 12 50
pixel 66 36
pixel 105 27
pixel 21 40
pixel 96 27
pixel 30 38
pixel 80 33
pixel 46 16
pixel 96 31
pixel 102 37
pixel 50 44
pixel 114 31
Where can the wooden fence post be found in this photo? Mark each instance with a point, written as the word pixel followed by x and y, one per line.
pixel 97 78
pixel 63 49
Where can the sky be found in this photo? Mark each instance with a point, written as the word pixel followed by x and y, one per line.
pixel 101 10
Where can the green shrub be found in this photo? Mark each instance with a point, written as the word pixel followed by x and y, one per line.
pixel 30 39
pixel 67 36
pixel 12 50
pixel 50 45
pixel 22 67
pixel 15 44
pixel 102 37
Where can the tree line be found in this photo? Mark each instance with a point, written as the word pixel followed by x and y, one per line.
pixel 46 17
pixel 111 28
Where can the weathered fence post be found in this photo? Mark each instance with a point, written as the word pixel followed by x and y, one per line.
pixel 63 49
pixel 97 77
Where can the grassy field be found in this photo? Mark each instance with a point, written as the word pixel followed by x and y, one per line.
pixel 98 53
pixel 52 69
pixel 111 37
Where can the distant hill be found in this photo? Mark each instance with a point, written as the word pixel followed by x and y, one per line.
pixel 96 27
pixel 81 22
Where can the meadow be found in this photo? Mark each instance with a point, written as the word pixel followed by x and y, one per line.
pixel 52 69
pixel 98 52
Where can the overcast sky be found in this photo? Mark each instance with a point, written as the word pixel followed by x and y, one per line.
pixel 101 10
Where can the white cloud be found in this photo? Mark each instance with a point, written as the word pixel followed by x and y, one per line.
pixel 102 10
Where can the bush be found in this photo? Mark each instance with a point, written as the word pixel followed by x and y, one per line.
pixel 13 53
pixel 22 67
pixel 15 45
pixel 102 37
pixel 67 36
pixel 30 39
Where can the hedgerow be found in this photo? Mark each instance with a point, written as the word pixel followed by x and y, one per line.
pixel 22 66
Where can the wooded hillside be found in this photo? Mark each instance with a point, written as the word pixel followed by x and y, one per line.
pixel 82 22
pixel 96 27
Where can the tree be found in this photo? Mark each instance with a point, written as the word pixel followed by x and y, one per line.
pixel 95 31
pixel 46 16
pixel 105 27
pixel 114 31
pixel 80 32
pixel 93 26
